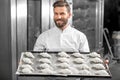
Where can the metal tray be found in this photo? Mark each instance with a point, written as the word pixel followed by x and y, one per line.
pixel 53 60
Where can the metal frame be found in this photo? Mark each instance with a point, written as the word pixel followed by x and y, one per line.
pixel 13 38
pixel 99 25
pixel 21 26
pixel 45 15
pixel 18 31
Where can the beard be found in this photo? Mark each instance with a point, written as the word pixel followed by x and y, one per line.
pixel 60 22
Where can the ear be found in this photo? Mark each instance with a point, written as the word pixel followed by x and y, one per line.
pixel 70 14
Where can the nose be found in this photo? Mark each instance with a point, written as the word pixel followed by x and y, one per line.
pixel 59 16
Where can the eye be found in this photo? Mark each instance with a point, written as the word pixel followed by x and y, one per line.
pixel 55 14
pixel 62 13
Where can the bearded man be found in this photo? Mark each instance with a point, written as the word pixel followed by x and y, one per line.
pixel 62 37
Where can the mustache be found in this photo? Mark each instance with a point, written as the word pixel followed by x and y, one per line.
pixel 59 20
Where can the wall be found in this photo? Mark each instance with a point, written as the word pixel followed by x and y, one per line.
pixel 5 54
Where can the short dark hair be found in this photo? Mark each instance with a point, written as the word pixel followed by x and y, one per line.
pixel 62 4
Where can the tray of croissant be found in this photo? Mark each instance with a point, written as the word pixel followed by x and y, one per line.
pixel 72 64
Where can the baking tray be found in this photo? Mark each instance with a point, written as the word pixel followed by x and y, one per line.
pixel 53 60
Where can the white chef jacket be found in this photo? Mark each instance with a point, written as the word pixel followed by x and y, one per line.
pixel 70 39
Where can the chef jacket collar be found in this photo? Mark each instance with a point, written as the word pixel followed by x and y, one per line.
pixel 67 29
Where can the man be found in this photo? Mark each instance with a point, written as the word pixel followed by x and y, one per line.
pixel 62 37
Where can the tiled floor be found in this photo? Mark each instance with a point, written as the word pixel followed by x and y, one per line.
pixel 115 70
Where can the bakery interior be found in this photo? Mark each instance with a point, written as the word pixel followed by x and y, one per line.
pixel 21 22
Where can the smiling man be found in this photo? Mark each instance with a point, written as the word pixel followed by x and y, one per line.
pixel 62 37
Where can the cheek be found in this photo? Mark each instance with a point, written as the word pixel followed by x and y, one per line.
pixel 55 17
pixel 68 16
